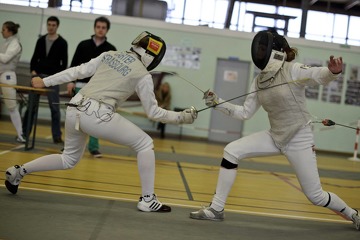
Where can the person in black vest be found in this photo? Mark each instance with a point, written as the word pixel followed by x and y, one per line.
pixel 50 56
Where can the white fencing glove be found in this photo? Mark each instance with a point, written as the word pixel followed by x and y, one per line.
pixel 188 115
pixel 212 100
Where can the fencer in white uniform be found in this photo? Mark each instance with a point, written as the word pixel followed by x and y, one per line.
pixel 280 90
pixel 10 53
pixel 116 76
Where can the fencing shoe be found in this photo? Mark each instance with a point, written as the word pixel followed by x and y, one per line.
pixel 208 213
pixel 356 219
pixel 13 178
pixel 153 205
pixel 20 139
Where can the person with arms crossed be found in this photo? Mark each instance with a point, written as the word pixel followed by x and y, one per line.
pixel 85 51
pixel 10 53
pixel 280 89
pixel 50 56
pixel 92 111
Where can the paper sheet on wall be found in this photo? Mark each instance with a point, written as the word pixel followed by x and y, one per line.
pixel 183 57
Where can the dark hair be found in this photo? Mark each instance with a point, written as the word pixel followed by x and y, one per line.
pixel 281 44
pixel 102 19
pixel 12 27
pixel 291 53
pixel 53 19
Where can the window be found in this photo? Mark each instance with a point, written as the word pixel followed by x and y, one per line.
pixel 329 27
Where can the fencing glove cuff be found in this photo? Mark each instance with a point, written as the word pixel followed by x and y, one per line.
pixel 225 107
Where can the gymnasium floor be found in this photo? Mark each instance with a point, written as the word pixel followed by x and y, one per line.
pixel 97 199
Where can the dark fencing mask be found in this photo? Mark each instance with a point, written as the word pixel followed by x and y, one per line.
pixel 263 44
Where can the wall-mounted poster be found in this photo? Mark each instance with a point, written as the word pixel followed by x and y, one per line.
pixel 182 56
pixel 231 76
pixel 332 92
pixel 352 96
pixel 312 92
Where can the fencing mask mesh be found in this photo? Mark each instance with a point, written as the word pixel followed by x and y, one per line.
pixel 263 44
pixel 261 48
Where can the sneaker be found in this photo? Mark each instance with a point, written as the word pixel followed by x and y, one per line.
pixel 154 205
pixel 356 219
pixel 208 213
pixel 20 139
pixel 96 154
pixel 13 178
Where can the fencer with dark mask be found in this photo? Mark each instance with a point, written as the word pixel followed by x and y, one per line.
pixel 280 89
pixel 115 77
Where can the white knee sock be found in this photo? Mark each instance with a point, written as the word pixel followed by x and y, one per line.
pixel 16 121
pixel 146 166
pixel 337 204
pixel 225 181
pixel 45 163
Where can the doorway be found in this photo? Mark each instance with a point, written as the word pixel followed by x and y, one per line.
pixel 232 78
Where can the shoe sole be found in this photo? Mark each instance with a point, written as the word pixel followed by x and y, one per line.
pixel 162 209
pixel 210 219
pixel 205 218
pixel 12 188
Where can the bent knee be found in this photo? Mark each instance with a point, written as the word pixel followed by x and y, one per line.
pixel 319 199
pixel 69 162
pixel 144 143
pixel 233 154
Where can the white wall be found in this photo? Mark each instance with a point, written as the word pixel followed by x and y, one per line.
pixel 214 43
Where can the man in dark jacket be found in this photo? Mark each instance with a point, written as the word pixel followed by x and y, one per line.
pixel 50 57
pixel 85 51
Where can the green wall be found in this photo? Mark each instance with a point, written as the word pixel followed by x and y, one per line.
pixel 214 43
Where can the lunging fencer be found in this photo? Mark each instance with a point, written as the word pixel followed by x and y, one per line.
pixel 92 111
pixel 290 131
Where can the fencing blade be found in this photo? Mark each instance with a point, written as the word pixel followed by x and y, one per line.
pixel 189 82
pixel 260 89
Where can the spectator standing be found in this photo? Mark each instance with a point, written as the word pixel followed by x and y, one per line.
pixel 10 53
pixel 50 57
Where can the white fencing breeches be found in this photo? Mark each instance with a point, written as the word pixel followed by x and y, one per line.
pixel 113 127
pixel 299 153
pixel 100 121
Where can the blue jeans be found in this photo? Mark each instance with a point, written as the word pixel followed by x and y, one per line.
pixel 54 100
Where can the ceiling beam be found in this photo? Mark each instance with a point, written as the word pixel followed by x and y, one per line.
pixel 312 2
pixel 351 4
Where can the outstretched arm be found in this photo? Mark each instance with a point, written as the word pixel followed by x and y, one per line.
pixel 310 76
pixel 242 112
pixel 84 70
pixel 145 91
